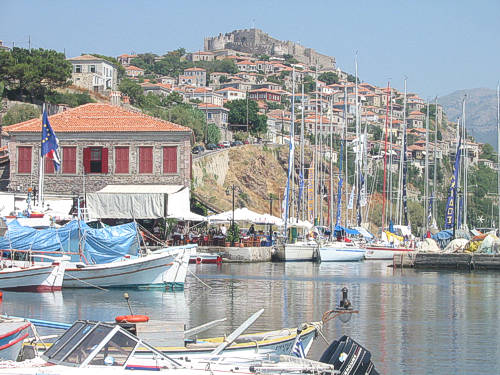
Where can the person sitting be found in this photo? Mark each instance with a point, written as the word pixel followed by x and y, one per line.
pixel 251 230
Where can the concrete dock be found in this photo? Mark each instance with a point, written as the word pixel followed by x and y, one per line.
pixel 448 261
pixel 239 254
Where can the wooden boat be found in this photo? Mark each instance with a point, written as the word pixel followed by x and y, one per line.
pixel 165 268
pixel 12 334
pixel 205 258
pixel 340 251
pixel 32 278
pixel 95 347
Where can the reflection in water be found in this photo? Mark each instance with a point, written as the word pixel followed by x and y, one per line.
pixel 412 322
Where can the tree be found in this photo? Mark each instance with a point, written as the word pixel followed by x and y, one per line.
pixel 238 115
pixel 19 113
pixel 213 134
pixel 351 78
pixel 132 89
pixel 33 73
pixel 69 98
pixel 488 152
pixel 329 78
pixel 172 99
pixel 309 84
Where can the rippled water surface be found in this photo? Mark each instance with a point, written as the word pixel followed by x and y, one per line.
pixel 413 322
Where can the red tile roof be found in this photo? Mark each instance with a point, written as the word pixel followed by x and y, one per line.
pixel 132 67
pixel 195 70
pixel 97 117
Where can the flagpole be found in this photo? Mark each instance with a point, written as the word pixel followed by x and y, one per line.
pixel 41 173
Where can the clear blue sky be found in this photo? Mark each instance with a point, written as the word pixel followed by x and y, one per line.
pixel 440 45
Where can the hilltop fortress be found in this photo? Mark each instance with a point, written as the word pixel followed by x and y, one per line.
pixel 256 41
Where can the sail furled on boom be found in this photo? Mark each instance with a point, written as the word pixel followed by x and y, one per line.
pixel 451 203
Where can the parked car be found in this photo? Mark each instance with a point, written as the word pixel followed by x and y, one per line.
pixel 211 146
pixel 198 149
pixel 236 143
pixel 246 141
pixel 226 144
pixel 220 145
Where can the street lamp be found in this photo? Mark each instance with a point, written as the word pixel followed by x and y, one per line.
pixel 343 311
pixel 232 189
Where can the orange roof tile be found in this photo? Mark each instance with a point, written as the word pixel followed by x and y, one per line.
pixel 195 70
pixel 97 117
pixel 132 67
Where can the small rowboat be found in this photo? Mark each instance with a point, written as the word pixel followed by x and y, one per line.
pixel 12 334
pixel 205 258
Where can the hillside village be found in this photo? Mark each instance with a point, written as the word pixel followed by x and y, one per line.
pixel 324 97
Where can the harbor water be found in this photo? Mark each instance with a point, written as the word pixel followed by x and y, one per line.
pixel 412 322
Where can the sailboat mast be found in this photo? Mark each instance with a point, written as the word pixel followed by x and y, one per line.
pixel 345 156
pixel 41 168
pixel 358 141
pixel 320 159
pixel 426 179
pixel 331 167
pixel 302 201
pixel 315 199
pixel 498 152
pixel 292 139
pixel 435 159
pixel 466 162
pixel 390 161
pixel 402 160
pixel 384 193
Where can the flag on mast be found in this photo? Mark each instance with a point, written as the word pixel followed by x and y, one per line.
pixel 50 143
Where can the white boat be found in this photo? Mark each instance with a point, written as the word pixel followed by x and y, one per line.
pixel 166 268
pixel 32 278
pixel 96 347
pixel 12 334
pixel 381 252
pixel 300 251
pixel 341 252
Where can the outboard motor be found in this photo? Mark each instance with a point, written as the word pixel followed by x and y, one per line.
pixel 349 357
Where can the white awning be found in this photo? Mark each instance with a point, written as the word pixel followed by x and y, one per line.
pixel 141 202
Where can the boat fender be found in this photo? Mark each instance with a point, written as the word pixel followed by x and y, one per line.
pixel 132 319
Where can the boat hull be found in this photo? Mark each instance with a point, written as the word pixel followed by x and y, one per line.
pixel 384 253
pixel 150 271
pixel 12 335
pixel 341 253
pixel 47 278
pixel 300 252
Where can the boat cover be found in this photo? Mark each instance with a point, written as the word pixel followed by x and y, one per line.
pixel 339 228
pixel 98 245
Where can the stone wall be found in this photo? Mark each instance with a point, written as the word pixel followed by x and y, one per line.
pixel 80 182
pixel 256 41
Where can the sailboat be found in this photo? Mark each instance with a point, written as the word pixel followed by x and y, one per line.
pixel 390 244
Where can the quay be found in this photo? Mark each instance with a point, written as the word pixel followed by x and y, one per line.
pixel 239 254
pixel 448 261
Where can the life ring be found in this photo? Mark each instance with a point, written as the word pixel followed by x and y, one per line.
pixel 132 319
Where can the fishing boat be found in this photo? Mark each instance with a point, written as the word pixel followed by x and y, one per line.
pixel 299 251
pixel 12 334
pixel 32 278
pixel 339 251
pixel 88 347
pixel 105 258
pixel 384 252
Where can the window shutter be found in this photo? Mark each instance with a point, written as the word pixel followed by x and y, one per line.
pixel 170 159
pixel 86 159
pixel 104 160
pixel 24 159
pixel 121 160
pixel 69 160
pixel 145 159
pixel 49 164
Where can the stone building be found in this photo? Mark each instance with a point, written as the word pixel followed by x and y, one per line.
pixel 100 145
pixel 93 73
pixel 255 41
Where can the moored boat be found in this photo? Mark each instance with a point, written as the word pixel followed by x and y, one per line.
pixel 300 251
pixel 339 251
pixel 205 258
pixel 382 252
pixel 32 278
pixel 12 334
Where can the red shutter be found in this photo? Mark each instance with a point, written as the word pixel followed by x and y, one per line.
pixel 69 160
pixel 104 160
pixel 121 160
pixel 170 159
pixel 86 159
pixel 24 159
pixel 145 159
pixel 49 164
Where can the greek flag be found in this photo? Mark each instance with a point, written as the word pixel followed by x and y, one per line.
pixel 298 349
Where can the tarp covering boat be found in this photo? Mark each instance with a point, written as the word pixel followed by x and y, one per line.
pixel 98 245
pixel 339 228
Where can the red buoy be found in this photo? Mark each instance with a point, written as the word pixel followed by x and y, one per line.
pixel 132 319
